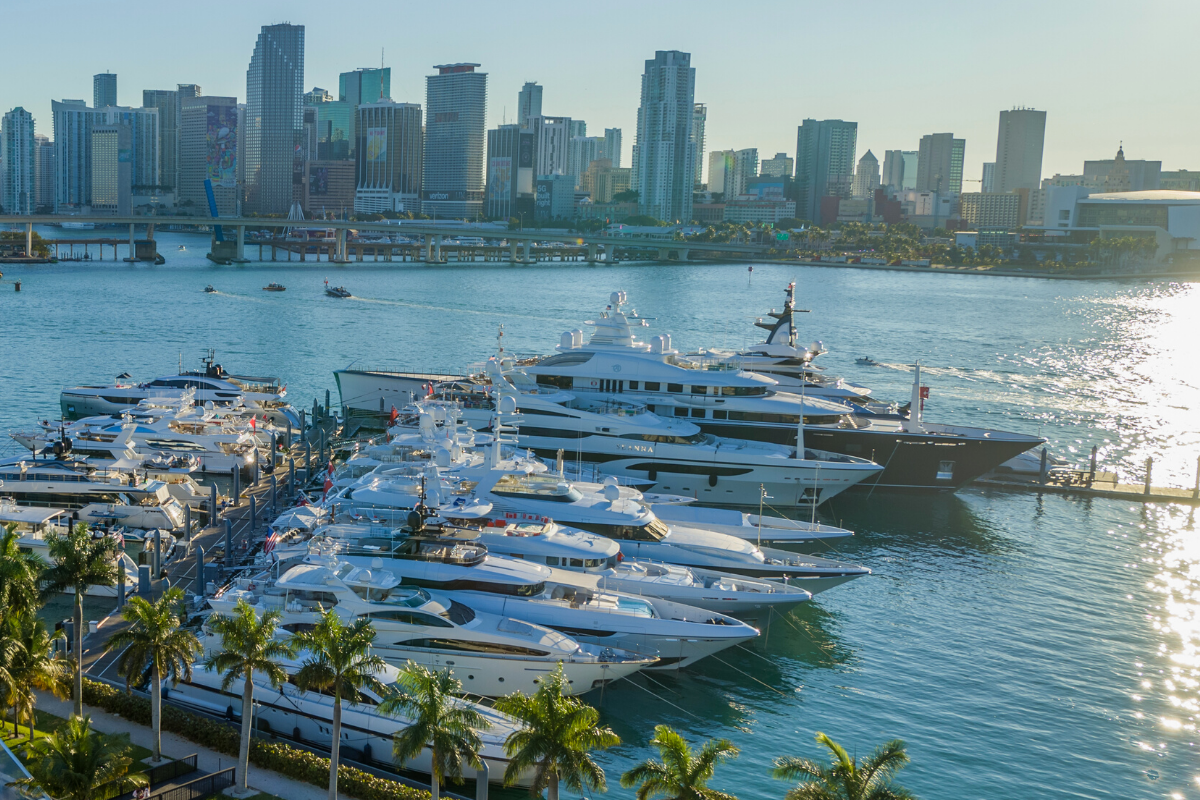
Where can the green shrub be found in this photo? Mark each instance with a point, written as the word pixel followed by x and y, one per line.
pixel 293 762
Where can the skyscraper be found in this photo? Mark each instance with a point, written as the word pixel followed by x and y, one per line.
pixel 824 163
pixel 940 164
pixel 582 152
pixel 893 170
pixel 362 86
pixel 1019 149
pixel 612 146
pixel 529 104
pixel 912 160
pixel 740 167
pixel 989 177
pixel 274 118
pixel 699 117
pixel 73 125
pixel 662 156
pixel 553 145
pixel 17 161
pixel 388 157
pixel 104 90
pixel 719 162
pixel 43 174
pixel 209 151
pixel 503 156
pixel 455 107
pixel 781 166
pixel 866 177
pixel 167 103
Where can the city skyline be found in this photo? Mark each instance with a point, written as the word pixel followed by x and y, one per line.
pixel 893 108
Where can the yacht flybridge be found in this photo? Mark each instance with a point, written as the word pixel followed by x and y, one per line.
pixel 492 654
pixel 212 384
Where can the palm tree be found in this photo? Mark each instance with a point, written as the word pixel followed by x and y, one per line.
pixel 680 775
pixel 31 665
pixel 844 778
pixel 340 662
pixel 155 645
pixel 80 561
pixel 556 739
pixel 248 645
pixel 19 574
pixel 73 763
pixel 447 725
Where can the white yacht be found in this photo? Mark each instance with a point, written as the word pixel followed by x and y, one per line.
pixel 33 524
pixel 212 384
pixel 624 439
pixel 492 654
pixel 307 717
pixel 90 494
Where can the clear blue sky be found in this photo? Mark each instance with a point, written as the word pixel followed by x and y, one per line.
pixel 1104 71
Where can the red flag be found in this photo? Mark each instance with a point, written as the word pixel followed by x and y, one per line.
pixel 253 423
pixel 329 478
pixel 394 416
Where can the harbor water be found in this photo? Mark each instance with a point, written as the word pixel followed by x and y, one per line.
pixel 1022 646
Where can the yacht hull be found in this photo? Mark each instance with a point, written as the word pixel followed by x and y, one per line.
pixel 910 461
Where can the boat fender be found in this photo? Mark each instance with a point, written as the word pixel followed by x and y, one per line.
pixel 712 480
pixel 296 734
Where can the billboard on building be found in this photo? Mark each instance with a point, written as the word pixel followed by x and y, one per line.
pixel 318 182
pixel 525 151
pixel 221 139
pixel 499 178
pixel 376 144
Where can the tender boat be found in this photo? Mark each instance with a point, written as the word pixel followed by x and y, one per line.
pixel 209 289
pixel 336 291
pixel 274 287
pixel 866 362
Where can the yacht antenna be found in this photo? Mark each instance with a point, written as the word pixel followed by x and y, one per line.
pixel 500 342
pixel 762 494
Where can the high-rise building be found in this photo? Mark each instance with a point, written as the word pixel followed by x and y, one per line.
pixel 388 157
pixel 1120 174
pixel 43 178
pixel 912 162
pixel 503 156
pixel 781 166
pixel 662 155
pixel 1000 210
pixel 17 162
pixel 104 90
pixel 73 124
pixel 824 163
pixel 605 181
pixel 274 118
pixel 740 167
pixel 612 147
pixel 209 151
pixel 529 104
pixel 167 103
pixel 988 182
pixel 583 151
pixel 866 177
pixel 719 161
pixel 111 170
pixel 699 117
pixel 333 125
pixel 940 164
pixel 1019 149
pixel 455 108
pixel 360 86
pixel 553 136
pixel 577 127
pixel 893 170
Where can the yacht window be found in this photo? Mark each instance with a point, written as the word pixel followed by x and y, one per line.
pixel 654 531
pixel 699 390
pixel 695 438
pixel 461 646
pixel 406 617
pixel 755 416
pixel 591 563
pixel 743 391
pixel 459 614
pixel 720 414
pixel 633 385
pixel 681 412
pixel 698 412
pixel 576 562
pixel 675 387
pixel 572 359
pixel 552 561
pixel 653 386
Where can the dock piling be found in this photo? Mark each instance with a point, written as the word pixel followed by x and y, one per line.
pixel 1092 471
pixel 187 521
pixel 274 495
pixel 1044 471
pixel 237 487
pixel 253 514
pixel 228 542
pixel 212 505
pixel 157 552
pixel 120 585
pixel 1196 488
pixel 200 571
pixel 1149 469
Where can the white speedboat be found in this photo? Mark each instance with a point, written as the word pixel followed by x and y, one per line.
pixel 306 717
pixel 492 654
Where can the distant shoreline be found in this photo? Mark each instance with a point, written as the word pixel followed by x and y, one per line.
pixel 1004 273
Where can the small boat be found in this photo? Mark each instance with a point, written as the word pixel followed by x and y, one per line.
pixel 209 289
pixel 274 287
pixel 336 291
pixel 866 361
pixel 182 248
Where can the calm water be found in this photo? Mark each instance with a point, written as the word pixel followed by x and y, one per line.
pixel 1022 646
